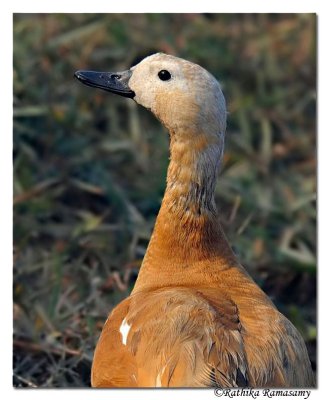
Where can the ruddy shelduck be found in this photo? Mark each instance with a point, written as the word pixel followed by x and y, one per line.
pixel 195 317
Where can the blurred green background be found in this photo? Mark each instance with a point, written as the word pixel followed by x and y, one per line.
pixel 90 167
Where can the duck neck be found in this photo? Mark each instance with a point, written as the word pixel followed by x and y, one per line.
pixel 191 180
pixel 187 228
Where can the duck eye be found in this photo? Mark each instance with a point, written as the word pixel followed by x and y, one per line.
pixel 164 75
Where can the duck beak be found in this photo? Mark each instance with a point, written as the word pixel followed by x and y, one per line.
pixel 115 82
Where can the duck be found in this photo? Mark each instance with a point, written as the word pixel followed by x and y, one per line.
pixel 195 317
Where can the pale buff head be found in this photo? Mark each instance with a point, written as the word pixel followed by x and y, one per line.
pixel 188 100
pixel 184 96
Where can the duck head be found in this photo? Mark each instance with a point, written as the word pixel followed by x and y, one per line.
pixel 181 94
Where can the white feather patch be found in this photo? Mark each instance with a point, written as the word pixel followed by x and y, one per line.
pixel 159 377
pixel 124 330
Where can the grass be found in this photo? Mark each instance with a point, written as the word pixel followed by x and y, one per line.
pixel 89 171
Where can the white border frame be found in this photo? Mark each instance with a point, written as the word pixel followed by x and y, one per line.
pixel 238 6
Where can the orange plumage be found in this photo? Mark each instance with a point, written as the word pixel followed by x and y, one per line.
pixel 195 318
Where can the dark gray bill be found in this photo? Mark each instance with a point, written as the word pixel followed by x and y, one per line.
pixel 115 82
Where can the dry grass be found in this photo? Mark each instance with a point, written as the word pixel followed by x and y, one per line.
pixel 89 171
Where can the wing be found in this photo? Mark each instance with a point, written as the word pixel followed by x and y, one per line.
pixel 171 337
pixel 113 364
pixel 277 355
